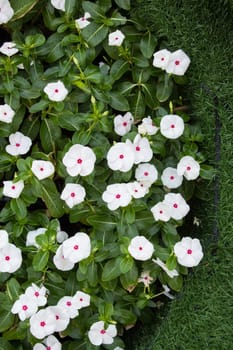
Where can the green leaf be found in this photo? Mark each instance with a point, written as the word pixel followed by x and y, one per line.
pixel 118 69
pixel 169 228
pixel 19 208
pixel 49 134
pixel 70 121
pixel 92 274
pixel 137 105
pixel 95 33
pixel 13 289
pixel 129 278
pixel 124 4
pixel 34 40
pixel 40 260
pixel 94 10
pixel 176 283
pixel 147 45
pixel 5 345
pixel 126 263
pixel 164 89
pixel 171 262
pixel 51 197
pixel 111 270
pixel 39 106
pixel 6 320
pixel 22 8
pixel 150 95
pixel 52 49
pixel 118 102
pixel 102 222
pixel 207 172
pixel 124 316
pixel 70 7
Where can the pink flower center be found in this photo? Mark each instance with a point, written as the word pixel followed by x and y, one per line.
pixel 17 144
pixel 140 248
pixel 41 169
pixel 172 177
pixel 116 38
pixel 118 196
pixel 103 331
pixel 162 58
pixel 72 194
pixel 42 324
pixel 121 156
pixel 81 299
pixel 57 317
pixel 177 62
pixel 125 124
pixel 48 348
pixel 56 90
pixel 79 161
pixel 68 303
pixel 146 173
pixel 13 187
pixel 189 251
pixel 76 247
pixel 135 190
pixel 175 205
pixel 5 113
pixel 37 294
pixel 7 258
pixel 83 18
pixel 138 148
pixel 160 212
pixel 24 307
pixel 172 126
pixel 188 168
pixel 145 278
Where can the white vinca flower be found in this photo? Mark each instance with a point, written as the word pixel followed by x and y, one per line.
pixel 116 195
pixel 4 238
pixel 6 11
pixel 171 126
pixel 50 343
pixel 161 212
pixel 166 291
pixel 6 113
pixel 10 258
pixel 145 278
pixel 42 169
pixel 61 236
pixel 37 294
pixel 60 262
pixel 140 248
pixel 56 91
pixel 146 173
pixel 9 48
pixel 121 156
pixel 42 323
pixel 73 194
pixel 77 248
pixel 178 207
pixel 59 4
pixel 147 127
pixel 81 299
pixel 13 189
pixel 123 123
pixel 137 190
pixel 79 160
pixel 178 63
pixel 70 306
pixel 83 22
pixel 24 307
pixel 188 252
pixel 19 144
pixel 142 150
pixel 161 58
pixel 189 168
pixel 170 178
pixel 60 318
pixel 31 236
pixel 171 273
pixel 98 334
pixel 116 38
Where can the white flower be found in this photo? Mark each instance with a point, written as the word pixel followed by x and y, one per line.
pixel 121 156
pixel 73 194
pixel 142 150
pixel 116 195
pixel 59 4
pixel 188 251
pixel 8 48
pixel 6 112
pixel 19 144
pixel 79 160
pixel 171 126
pixel 42 169
pixel 24 307
pixel 6 11
pixel 37 294
pixel 118 348
pixel 147 127
pixel 178 63
pixel 171 273
pixel 56 91
pixel 98 334
pixel 31 237
pixel 166 292
pixel 137 189
pixel 178 208
pixel 146 173
pixel 4 238
pixel 82 299
pixel 13 189
pixel 77 248
pixel 161 58
pixel 170 178
pixel 51 343
pixel 145 278
pixel 116 38
pixel 61 236
pixel 83 21
pixel 60 262
pixel 42 323
pixel 188 167
pixel 161 212
pixel 140 248
pixel 60 318
pixel 123 123
pixel 10 258
pixel 69 304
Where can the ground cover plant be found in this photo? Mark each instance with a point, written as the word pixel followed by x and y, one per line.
pixel 99 160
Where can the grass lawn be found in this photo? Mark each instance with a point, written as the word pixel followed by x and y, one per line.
pixel 201 317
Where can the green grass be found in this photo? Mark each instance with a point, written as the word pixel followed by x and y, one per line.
pixel 201 317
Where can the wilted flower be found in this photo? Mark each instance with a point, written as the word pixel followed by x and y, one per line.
pixel 59 4
pixel 170 178
pixel 60 262
pixel 37 294
pixel 188 167
pixel 178 208
pixel 116 38
pixel 166 291
pixel 171 273
pixel 10 258
pixel 6 112
pixel 42 323
pixel 24 307
pixel 60 317
pixel 161 58
pixel 51 343
pixel 145 278
pixel 31 236
pixel 8 48
pixel 42 169
pixel 77 248
pixel 140 248
pixel 56 91
pixel 146 173
pixel 6 11
pixel 19 144
pixel 188 251
pixel 98 334
pixel 73 194
pixel 4 238
pixel 13 189
pixel 161 212
pixel 116 195
pixel 171 126
pixel 81 299
pixel 147 127
pixel 121 156
pixel 137 190
pixel 178 63
pixel 142 150
pixel 79 160
pixel 70 306
pixel 123 123
pixel 83 21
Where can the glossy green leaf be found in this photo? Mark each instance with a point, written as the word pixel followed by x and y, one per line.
pixel 171 262
pixel 49 134
pixel 95 33
pixel 51 197
pixel 124 4
pixel 126 263
pixel 118 102
pixel 40 260
pixel 164 89
pixel 111 270
pixel 22 8
pixel 102 222
pixel 147 44
pixel 19 208
pixel 13 288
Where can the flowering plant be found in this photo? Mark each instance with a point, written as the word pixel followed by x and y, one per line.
pixel 98 163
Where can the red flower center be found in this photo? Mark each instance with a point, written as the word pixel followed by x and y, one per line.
pixel 42 324
pixel 72 194
pixel 140 248
pixel 17 144
pixel 24 307
pixel 172 177
pixel 175 205
pixel 146 173
pixel 79 161
pixel 116 38
pixel 103 331
pixel 189 251
pixel 7 258
pixel 121 156
pixel 56 90
pixel 57 317
pixel 41 169
pixel 37 294
pixel 125 124
pixel 118 196
pixel 160 212
pixel 162 58
pixel 177 62
pixel 172 126
pixel 68 303
pixel 48 348
pixel 81 299
pixel 188 168
pixel 76 247
pixel 138 148
pixel 5 113
pixel 13 187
